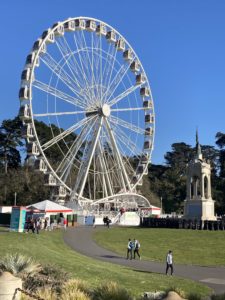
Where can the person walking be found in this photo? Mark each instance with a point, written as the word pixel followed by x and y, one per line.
pixel 137 246
pixel 65 224
pixel 169 262
pixel 47 221
pixel 129 249
pixel 94 225
pixel 37 225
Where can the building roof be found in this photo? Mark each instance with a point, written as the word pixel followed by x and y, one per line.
pixel 49 206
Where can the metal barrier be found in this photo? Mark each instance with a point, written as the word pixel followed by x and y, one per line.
pixel 182 224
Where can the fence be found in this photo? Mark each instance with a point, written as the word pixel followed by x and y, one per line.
pixel 182 224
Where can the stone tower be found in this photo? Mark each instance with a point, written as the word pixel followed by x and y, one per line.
pixel 199 204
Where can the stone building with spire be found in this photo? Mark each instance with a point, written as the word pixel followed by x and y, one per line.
pixel 199 204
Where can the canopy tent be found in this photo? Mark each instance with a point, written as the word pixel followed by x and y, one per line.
pixel 48 206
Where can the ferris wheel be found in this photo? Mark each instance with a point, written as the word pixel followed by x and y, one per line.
pixel 86 84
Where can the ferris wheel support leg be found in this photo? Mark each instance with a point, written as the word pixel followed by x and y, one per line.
pixel 103 166
pixel 118 155
pixel 95 139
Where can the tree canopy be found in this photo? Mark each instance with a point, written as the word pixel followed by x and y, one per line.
pixel 166 181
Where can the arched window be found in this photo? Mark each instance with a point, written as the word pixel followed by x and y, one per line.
pixel 198 187
pixel 206 187
pixel 191 188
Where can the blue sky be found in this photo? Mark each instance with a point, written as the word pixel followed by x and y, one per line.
pixel 181 45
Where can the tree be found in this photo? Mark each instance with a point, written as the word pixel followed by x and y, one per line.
pixel 10 137
pixel 220 183
pixel 220 142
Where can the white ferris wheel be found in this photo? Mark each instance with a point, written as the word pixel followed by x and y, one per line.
pixel 86 83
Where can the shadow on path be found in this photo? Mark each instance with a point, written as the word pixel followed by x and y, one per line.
pixel 214 277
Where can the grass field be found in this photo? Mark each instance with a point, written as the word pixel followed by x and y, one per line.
pixel 49 248
pixel 195 247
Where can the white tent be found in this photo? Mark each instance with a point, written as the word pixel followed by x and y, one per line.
pixel 48 206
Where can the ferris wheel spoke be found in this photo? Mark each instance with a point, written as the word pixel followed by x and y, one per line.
pixel 73 151
pixel 123 95
pixel 82 67
pixel 90 63
pixel 127 109
pixel 102 178
pixel 97 56
pixel 67 52
pixel 84 54
pixel 127 142
pixel 116 151
pixel 64 77
pixel 65 133
pixel 117 177
pixel 117 80
pixel 76 64
pixel 72 63
pixel 108 64
pixel 127 125
pixel 57 93
pixel 104 169
pixel 62 113
pixel 131 146
pixel 85 61
pixel 113 59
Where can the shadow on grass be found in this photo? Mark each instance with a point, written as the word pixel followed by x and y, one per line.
pixel 147 272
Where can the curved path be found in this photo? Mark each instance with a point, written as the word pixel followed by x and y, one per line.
pixel 80 239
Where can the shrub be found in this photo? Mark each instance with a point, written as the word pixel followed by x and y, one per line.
pixel 74 294
pixel 45 293
pixel 19 265
pixel 76 284
pixel 55 272
pixel 192 296
pixel 50 276
pixel 218 297
pixel 111 291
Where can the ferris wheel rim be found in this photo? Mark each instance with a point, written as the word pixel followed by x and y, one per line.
pixel 31 87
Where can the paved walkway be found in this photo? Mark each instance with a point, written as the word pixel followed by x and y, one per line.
pixel 80 239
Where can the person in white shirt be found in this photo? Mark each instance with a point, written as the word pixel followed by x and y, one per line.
pixel 169 262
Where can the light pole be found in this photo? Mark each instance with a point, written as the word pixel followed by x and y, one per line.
pixel 161 204
pixel 15 199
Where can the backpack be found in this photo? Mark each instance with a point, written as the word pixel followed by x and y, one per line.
pixel 138 245
pixel 131 245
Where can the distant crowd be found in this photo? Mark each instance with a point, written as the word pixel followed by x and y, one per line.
pixel 36 224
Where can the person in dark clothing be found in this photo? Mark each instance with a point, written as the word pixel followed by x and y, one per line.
pixel 37 225
pixel 30 225
pixel 136 248
pixel 107 221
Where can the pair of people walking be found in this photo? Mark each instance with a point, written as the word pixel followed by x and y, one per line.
pixel 133 248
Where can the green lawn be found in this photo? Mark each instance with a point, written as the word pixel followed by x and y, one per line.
pixel 48 247
pixel 195 247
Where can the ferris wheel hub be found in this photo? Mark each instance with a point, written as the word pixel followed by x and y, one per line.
pixel 105 110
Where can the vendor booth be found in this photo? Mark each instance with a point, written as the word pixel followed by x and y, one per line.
pixel 51 210
pixel 48 208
